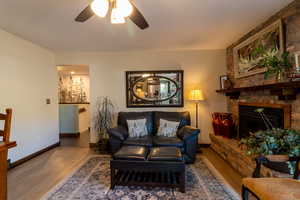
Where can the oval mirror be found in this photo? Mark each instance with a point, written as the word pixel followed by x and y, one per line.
pixel 155 88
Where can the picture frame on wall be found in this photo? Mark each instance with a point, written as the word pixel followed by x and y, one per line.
pixel 162 88
pixel 246 63
pixel 223 80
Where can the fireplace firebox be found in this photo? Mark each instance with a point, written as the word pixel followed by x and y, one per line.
pixel 250 120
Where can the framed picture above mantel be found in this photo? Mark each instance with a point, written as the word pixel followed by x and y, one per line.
pixel 246 62
pixel 154 88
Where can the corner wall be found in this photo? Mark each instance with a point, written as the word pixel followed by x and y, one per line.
pixel 27 78
pixel 201 68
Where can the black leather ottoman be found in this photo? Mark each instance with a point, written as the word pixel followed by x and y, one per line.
pixel 165 154
pixel 131 153
pixel 163 167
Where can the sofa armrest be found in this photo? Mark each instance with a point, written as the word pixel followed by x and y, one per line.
pixel 118 132
pixel 186 132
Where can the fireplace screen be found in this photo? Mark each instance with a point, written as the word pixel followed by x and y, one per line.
pixel 250 120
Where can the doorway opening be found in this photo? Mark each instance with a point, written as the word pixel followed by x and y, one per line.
pixel 74 105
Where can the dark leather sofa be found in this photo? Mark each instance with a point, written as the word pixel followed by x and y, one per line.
pixel 186 140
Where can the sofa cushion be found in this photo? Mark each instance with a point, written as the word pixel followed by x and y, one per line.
pixel 124 116
pixel 167 141
pixel 131 153
pixel 165 154
pixel 182 117
pixel 167 128
pixel 137 128
pixel 145 141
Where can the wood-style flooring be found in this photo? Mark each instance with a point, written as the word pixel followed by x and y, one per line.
pixel 31 180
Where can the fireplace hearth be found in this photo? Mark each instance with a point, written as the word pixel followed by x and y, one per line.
pixel 251 121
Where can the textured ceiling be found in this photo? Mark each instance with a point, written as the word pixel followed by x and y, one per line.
pixel 174 24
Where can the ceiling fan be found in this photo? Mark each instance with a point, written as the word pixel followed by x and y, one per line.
pixel 118 9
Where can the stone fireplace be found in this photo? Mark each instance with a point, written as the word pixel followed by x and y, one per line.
pixel 283 112
pixel 249 120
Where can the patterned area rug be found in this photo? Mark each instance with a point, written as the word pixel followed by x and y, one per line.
pixel 91 181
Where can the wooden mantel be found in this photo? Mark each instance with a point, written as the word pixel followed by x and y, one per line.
pixel 3 168
pixel 284 91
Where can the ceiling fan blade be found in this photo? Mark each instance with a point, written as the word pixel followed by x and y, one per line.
pixel 86 14
pixel 137 18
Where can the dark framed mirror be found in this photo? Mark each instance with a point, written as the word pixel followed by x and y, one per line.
pixel 154 88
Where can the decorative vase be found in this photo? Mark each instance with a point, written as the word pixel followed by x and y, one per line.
pixel 278 163
pixel 223 124
pixel 279 77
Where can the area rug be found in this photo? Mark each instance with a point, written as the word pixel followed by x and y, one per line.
pixel 91 181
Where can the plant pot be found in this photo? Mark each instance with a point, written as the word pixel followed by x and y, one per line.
pixel 278 163
pixel 278 158
pixel 104 145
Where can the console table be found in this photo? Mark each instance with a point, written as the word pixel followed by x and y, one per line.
pixel 3 168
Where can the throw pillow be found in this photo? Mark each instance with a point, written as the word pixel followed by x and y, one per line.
pixel 137 128
pixel 167 128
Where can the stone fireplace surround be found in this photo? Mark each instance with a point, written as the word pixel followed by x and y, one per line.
pixel 235 155
pixel 229 148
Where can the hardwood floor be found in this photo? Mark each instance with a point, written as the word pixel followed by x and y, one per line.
pixel 230 175
pixel 31 180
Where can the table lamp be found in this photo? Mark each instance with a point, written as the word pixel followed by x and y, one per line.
pixel 196 96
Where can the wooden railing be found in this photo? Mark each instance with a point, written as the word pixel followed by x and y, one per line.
pixel 3 168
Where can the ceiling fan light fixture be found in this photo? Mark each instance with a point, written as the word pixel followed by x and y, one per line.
pixel 117 17
pixel 125 7
pixel 100 7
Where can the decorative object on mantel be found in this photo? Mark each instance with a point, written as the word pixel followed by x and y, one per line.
pixel 273 141
pixel 295 75
pixel 154 88
pixel 247 64
pixel 103 120
pixel 284 91
pixel 274 61
pixel 223 124
pixel 225 82
pixel 196 96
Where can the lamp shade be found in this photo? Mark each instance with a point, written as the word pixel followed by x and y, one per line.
pixel 196 95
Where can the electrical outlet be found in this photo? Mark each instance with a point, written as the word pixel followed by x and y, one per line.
pixel 48 101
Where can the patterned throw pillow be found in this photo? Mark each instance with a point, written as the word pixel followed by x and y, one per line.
pixel 137 128
pixel 167 128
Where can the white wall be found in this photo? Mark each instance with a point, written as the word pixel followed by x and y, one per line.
pixel 107 76
pixel 27 77
pixel 84 118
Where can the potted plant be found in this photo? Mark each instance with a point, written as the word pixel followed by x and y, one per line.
pixel 274 61
pixel 103 120
pixel 274 143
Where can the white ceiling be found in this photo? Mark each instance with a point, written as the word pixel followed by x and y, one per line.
pixel 174 24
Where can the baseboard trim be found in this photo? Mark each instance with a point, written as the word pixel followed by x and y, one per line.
pixel 31 156
pixel 69 135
